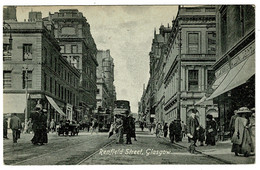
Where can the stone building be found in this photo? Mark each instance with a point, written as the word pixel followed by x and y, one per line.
pixel 235 66
pixel 35 66
pixel 157 64
pixel 72 31
pixel 189 59
pixel 105 81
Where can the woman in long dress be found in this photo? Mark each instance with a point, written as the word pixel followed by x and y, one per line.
pixel 119 130
pixel 242 140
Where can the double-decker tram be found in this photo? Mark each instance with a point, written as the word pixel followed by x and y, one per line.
pixel 122 107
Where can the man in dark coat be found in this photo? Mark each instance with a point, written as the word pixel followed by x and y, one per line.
pixel 15 125
pixel 39 119
pixel 171 130
pixel 177 129
pixel 5 128
pixel 192 131
pixel 128 129
pixel 211 130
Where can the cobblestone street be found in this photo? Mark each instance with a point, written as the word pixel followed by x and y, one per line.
pixel 98 149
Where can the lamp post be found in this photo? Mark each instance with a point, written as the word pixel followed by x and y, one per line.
pixel 26 95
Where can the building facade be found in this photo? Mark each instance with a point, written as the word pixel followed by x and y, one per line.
pixel 235 66
pixel 106 94
pixel 190 56
pixel 78 47
pixel 34 66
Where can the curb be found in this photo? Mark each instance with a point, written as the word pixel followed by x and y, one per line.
pixel 210 156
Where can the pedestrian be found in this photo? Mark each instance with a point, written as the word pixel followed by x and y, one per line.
pixel 5 123
pixel 119 129
pixel 39 120
pixel 192 130
pixel 142 126
pixel 183 128
pixel 133 135
pixel 94 126
pixel 252 122
pixel 177 130
pixel 52 125
pixel 201 135
pixel 165 130
pixel 171 130
pixel 158 129
pixel 211 130
pixel 232 123
pixel 242 139
pixel 15 125
pixel 128 129
pixel 29 126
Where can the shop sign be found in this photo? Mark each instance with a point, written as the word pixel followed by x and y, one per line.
pixel 250 50
pixel 225 68
pixel 35 96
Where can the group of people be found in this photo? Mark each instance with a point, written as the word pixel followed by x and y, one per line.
pixel 242 130
pixel 124 124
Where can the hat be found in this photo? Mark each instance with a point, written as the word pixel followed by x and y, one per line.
pixel 209 116
pixel 243 110
pixel 39 106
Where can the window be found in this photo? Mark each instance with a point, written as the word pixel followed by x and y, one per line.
pixel 27 79
pixel 211 77
pixel 193 43
pixel 74 49
pixel 62 49
pixel 224 32
pixel 211 42
pixel 45 56
pixel 55 87
pixel 55 64
pixel 97 91
pixel 45 81
pixel 7 79
pixel 193 80
pixel 27 52
pixel 50 84
pixel 6 52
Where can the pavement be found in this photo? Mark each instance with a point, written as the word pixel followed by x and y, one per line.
pixel 221 151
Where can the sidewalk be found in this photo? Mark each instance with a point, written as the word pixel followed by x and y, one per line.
pixel 221 151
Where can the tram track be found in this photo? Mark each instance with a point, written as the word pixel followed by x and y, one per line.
pixel 58 151
pixel 95 152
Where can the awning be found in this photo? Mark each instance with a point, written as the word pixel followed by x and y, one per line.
pixel 14 103
pixel 236 76
pixel 201 100
pixel 55 106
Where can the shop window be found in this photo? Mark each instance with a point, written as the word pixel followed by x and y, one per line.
pixel 193 43
pixel 7 79
pixel 193 80
pixel 27 52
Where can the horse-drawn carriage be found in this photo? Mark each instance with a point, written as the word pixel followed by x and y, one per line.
pixel 67 127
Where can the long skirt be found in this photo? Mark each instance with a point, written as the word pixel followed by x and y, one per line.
pixel 120 136
pixel 246 146
pixel 210 139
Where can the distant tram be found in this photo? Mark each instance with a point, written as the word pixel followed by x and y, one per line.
pixel 122 107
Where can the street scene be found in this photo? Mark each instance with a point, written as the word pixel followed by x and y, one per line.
pixel 129 85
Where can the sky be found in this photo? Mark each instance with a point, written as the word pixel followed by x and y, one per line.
pixel 128 32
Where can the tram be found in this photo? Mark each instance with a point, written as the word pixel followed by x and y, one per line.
pixel 122 107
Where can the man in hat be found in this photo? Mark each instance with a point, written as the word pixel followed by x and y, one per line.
pixel 192 130
pixel 232 123
pixel 15 125
pixel 5 128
